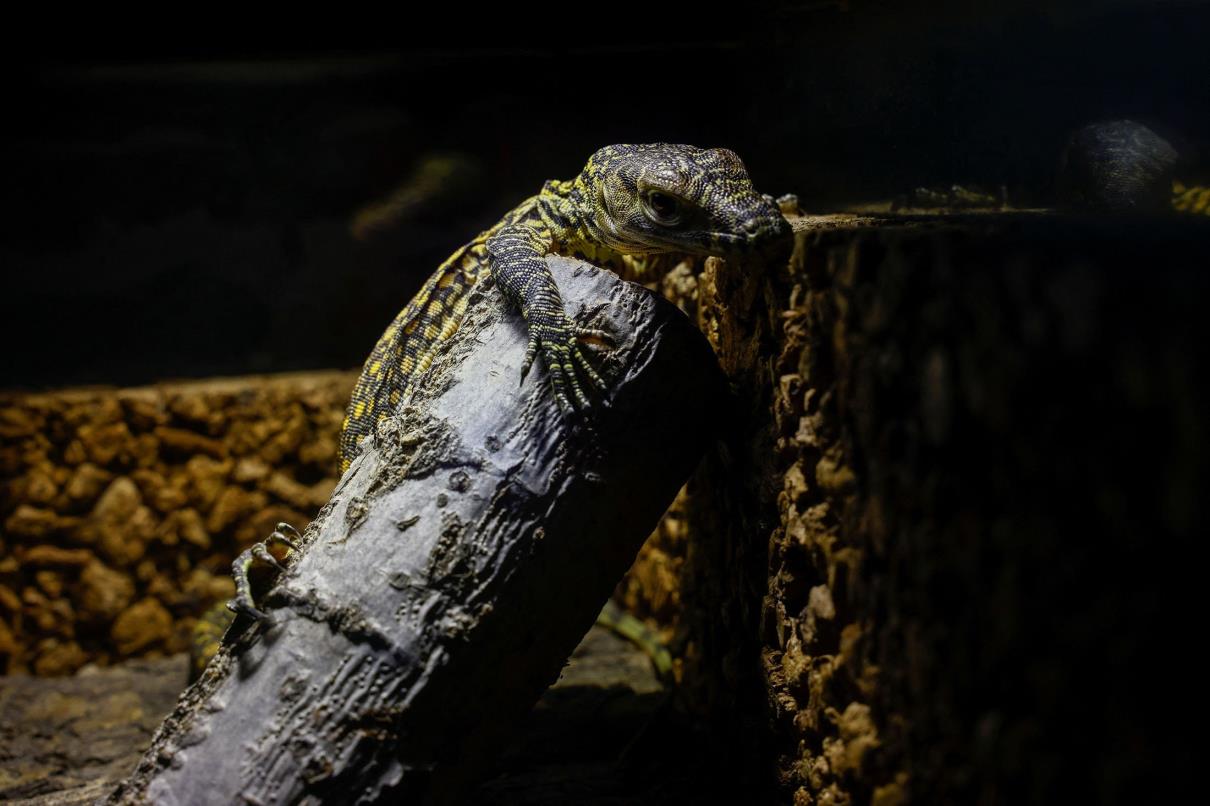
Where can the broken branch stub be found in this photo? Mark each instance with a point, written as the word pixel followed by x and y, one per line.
pixel 459 561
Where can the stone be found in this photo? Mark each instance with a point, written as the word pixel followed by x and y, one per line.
pixel 247 437
pixel 321 451
pixel 286 441
pixel 119 501
pixel 164 589
pixel 170 497
pixel 54 555
pixel 40 487
pixel 190 407
pixel 250 469
pixel 125 542
pixel 148 481
pixel 9 600
pixel 205 588
pixel 105 444
pixel 141 626
pixel 188 443
pixel 51 583
pixel 121 524
pixel 144 409
pixel 8 642
pixel 104 592
pixel 184 525
pixel 86 483
pixel 74 453
pixel 99 410
pixel 16 422
pixel 145 571
pixel 145 450
pixel 290 491
pixel 32 522
pixel 10 461
pixel 206 479
pixel 233 504
pixel 58 658
pixel 55 616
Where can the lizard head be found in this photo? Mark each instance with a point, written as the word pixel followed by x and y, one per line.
pixel 677 198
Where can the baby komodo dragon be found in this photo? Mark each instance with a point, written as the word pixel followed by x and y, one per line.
pixel 631 208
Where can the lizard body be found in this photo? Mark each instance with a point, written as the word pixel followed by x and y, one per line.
pixel 607 215
pixel 634 209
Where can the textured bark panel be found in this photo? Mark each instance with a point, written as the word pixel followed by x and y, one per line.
pixel 456 566
pixel 973 459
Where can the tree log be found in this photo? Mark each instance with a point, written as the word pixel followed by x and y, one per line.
pixel 458 562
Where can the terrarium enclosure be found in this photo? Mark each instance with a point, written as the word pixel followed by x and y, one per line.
pixel 944 540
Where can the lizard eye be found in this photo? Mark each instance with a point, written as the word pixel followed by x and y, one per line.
pixel 662 208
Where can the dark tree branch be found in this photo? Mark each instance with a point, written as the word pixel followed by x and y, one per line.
pixel 453 571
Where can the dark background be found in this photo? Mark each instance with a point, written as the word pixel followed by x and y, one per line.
pixel 175 210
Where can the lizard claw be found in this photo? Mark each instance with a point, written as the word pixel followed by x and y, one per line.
pixel 592 374
pixel 563 378
pixel 531 352
pixel 259 554
pixel 565 357
pixel 279 536
pixel 242 608
pixel 563 361
pixel 594 335
pixel 787 203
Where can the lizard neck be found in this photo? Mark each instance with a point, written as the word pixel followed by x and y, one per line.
pixel 569 210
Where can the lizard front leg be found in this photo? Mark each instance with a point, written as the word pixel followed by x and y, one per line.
pixel 517 262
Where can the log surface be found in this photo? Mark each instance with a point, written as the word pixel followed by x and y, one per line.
pixel 457 564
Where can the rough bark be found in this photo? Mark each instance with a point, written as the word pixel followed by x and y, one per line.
pixel 960 519
pixel 454 569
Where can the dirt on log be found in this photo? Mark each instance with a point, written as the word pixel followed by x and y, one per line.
pixel 459 561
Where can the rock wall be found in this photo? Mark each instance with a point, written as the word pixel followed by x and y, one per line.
pixel 121 510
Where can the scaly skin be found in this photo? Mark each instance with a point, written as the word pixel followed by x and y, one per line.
pixel 605 215
pixel 1192 199
pixel 631 209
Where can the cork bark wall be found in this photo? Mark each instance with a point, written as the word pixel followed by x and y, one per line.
pixel 954 528
pixel 121 510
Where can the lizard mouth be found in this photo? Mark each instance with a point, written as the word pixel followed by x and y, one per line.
pixel 729 244
pixel 706 243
